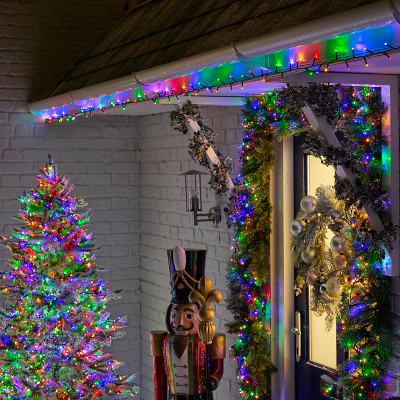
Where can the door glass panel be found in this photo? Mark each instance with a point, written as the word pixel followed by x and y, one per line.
pixel 322 344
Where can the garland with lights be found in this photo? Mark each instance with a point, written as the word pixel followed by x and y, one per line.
pixel 356 260
pixel 248 298
pixel 347 280
pixel 200 142
pixel 250 214
pixel 55 325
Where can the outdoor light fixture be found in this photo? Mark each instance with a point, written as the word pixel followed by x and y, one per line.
pixel 194 200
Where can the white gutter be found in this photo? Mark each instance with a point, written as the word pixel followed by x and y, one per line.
pixel 370 16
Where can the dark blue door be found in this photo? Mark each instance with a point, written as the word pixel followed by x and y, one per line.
pixel 316 377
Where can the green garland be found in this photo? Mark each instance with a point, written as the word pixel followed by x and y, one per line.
pixel 248 272
pixel 200 142
pixel 364 314
pixel 364 320
pixel 250 214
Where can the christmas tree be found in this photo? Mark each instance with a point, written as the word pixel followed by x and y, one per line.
pixel 55 326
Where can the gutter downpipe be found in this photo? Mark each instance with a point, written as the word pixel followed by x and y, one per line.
pixel 370 16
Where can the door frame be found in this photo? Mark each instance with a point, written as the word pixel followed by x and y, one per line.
pixel 282 198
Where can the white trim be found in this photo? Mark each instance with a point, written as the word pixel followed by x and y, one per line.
pixel 366 17
pixel 282 272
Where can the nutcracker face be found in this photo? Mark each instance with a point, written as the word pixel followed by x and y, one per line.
pixel 184 319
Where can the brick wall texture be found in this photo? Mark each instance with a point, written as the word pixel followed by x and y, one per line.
pixel 39 42
pixel 126 167
pixel 165 224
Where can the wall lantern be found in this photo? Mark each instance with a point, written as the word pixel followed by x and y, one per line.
pixel 194 199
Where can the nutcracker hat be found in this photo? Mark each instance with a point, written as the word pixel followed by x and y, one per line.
pixel 186 267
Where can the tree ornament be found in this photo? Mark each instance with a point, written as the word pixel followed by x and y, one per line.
pixel 333 286
pixel 339 262
pixel 311 278
pixel 337 244
pixel 297 226
pixel 334 215
pixel 311 217
pixel 308 204
pixel 308 255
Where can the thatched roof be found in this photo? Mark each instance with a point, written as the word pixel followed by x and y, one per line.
pixel 163 31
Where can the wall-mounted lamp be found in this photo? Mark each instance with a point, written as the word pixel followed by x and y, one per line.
pixel 193 199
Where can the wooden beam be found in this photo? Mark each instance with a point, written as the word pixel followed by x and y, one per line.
pixel 211 155
pixel 193 126
pixel 321 127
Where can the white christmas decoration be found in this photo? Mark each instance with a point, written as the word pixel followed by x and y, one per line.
pixel 308 204
pixel 333 286
pixel 297 226
pixel 179 257
pixel 308 255
pixel 336 244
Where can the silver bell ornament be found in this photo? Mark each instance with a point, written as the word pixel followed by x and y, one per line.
pixel 308 204
pixel 333 286
pixel 308 255
pixel 339 262
pixel 297 226
pixel 337 244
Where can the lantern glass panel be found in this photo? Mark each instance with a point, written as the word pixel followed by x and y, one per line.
pixel 193 188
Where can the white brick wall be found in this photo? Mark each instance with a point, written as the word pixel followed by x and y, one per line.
pixel 165 224
pixel 111 188
pixel 40 40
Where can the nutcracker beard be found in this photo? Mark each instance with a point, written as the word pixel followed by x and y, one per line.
pixel 179 344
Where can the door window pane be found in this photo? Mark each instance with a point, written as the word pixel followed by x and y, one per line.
pixel 322 344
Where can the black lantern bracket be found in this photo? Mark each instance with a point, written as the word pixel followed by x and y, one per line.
pixel 213 216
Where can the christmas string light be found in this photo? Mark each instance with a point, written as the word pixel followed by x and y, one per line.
pixel 54 331
pixel 183 91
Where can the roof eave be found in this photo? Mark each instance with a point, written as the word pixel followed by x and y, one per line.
pixel 370 16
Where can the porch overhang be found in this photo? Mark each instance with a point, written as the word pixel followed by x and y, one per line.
pixel 347 40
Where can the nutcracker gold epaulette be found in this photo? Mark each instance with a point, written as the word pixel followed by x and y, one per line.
pixel 156 342
pixel 218 347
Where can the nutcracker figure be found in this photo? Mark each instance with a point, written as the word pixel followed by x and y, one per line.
pixel 189 358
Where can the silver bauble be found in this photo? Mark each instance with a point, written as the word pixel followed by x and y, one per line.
pixel 339 262
pixel 333 286
pixel 336 244
pixel 297 226
pixel 308 255
pixel 308 204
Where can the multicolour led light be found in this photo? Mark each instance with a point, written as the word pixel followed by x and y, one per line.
pixel 55 326
pixel 313 58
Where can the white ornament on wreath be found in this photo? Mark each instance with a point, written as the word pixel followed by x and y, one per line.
pixel 333 286
pixel 337 244
pixel 308 255
pixel 308 204
pixel 297 226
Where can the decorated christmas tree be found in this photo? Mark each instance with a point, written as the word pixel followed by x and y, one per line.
pixel 55 324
